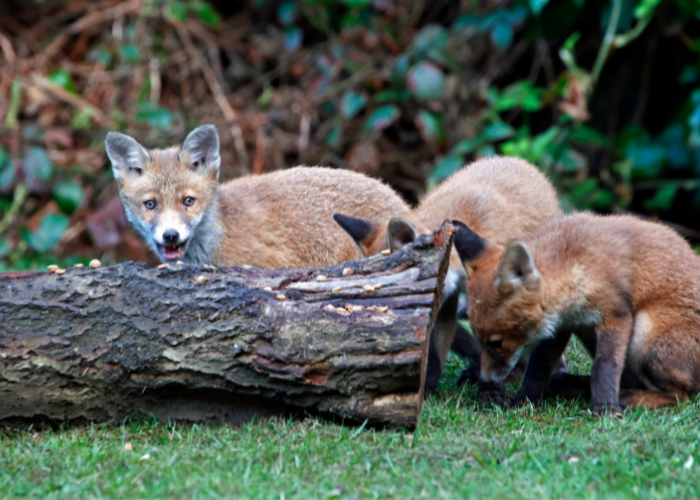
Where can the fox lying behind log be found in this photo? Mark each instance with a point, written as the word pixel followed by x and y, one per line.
pixel 280 219
pixel 501 198
pixel 628 289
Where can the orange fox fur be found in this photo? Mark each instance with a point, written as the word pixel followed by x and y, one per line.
pixel 501 198
pixel 280 219
pixel 629 289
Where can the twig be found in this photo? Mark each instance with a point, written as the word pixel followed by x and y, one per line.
pixel 15 96
pixel 607 41
pixel 73 100
pixel 7 49
pixel 21 192
pixel 219 97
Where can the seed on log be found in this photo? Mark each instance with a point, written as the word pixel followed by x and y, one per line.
pixel 267 289
pixel 60 271
pixel 386 252
pixel 347 271
pixel 377 286
pixel 281 297
pixel 162 266
pixel 336 289
pixel 382 309
pixel 368 288
pixel 95 264
pixel 202 280
pixel 321 277
pixel 179 263
pixel 79 265
pixel 52 268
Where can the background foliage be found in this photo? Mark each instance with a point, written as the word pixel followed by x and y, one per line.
pixel 603 95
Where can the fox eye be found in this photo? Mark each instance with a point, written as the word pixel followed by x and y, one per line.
pixel 150 204
pixel 495 344
pixel 188 201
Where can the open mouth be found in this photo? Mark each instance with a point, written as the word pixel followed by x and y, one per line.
pixel 172 252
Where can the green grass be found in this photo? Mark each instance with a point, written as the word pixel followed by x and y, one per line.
pixel 461 449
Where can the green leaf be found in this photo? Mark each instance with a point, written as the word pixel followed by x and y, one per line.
pixel 357 3
pixel 131 53
pixel 391 95
pixel 502 36
pixel 7 176
pixel 206 12
pixel 486 151
pixel 400 70
pixel 51 228
pixel 431 37
pixel 431 127
pixel 520 94
pixel 68 195
pixel 4 157
pixel 647 157
pixel 591 137
pixel 382 117
pixel 176 11
pixel 81 120
pixel 38 164
pixel 445 168
pixel 536 6
pixel 543 140
pixel 663 198
pixel 5 247
pixel 497 132
pixel 426 81
pixel 352 103
pixel 466 146
pixel 155 116
pixel 293 38
pixel 63 79
pixel 286 12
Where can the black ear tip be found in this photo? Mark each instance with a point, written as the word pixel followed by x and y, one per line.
pixel 358 229
pixel 467 243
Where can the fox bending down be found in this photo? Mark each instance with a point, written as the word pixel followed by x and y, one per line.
pixel 629 289
pixel 499 197
pixel 281 219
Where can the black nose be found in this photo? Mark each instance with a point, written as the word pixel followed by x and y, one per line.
pixel 171 237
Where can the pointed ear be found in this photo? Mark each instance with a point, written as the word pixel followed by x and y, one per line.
pixel 400 233
pixel 363 231
pixel 200 151
pixel 128 157
pixel 468 244
pixel 517 269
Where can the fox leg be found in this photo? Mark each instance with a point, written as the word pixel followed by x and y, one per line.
pixel 441 340
pixel 539 369
pixel 612 341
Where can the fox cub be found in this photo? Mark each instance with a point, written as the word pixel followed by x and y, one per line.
pixel 499 197
pixel 629 289
pixel 281 219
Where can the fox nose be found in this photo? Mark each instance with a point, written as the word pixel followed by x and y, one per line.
pixel 171 237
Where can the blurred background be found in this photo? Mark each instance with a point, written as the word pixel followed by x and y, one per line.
pixel 602 95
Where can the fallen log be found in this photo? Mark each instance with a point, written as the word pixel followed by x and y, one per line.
pixel 194 343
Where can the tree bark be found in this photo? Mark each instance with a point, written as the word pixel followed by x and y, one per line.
pixel 194 343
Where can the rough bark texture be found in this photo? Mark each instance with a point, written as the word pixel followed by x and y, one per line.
pixel 104 344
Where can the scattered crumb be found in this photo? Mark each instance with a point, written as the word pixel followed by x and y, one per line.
pixel 267 289
pixel 79 265
pixel 347 271
pixel 60 271
pixel 386 252
pixel 351 308
pixel 179 263
pixel 321 277
pixel 128 447
pixel 368 288
pixel 145 457
pixel 336 289
pixel 202 280
pixel 382 309
pixel 95 264
pixel 162 266
pixel 378 286
pixel 52 268
pixel 281 297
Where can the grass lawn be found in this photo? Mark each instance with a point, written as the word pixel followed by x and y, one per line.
pixel 461 449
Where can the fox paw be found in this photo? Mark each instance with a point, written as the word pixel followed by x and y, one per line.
pixel 492 392
pixel 607 409
pixel 468 376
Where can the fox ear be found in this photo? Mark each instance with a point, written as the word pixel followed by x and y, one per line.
pixel 363 231
pixel 468 244
pixel 517 269
pixel 200 151
pixel 128 157
pixel 400 233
